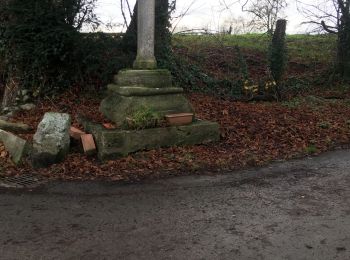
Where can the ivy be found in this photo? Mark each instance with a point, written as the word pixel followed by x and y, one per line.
pixel 40 42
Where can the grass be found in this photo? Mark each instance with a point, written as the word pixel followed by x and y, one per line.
pixel 311 149
pixel 302 48
pixel 313 102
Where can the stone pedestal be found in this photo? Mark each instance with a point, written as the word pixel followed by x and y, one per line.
pixel 135 89
pixel 145 86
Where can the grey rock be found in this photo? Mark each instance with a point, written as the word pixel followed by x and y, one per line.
pixel 24 92
pixel 6 109
pixel 12 109
pixel 26 98
pixel 28 107
pixel 51 142
pixel 4 118
pixel 18 128
pixel 10 114
pixel 17 147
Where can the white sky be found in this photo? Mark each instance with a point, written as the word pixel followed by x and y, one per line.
pixel 202 14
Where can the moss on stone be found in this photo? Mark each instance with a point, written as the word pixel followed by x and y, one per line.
pixel 116 107
pixel 129 91
pixel 146 78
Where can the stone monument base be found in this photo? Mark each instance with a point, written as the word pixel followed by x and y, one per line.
pixel 136 89
pixel 133 90
pixel 116 143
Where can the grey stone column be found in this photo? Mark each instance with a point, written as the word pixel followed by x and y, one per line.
pixel 145 35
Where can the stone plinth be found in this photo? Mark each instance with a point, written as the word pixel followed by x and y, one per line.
pixel 146 87
pixel 136 89
pixel 148 78
pixel 116 143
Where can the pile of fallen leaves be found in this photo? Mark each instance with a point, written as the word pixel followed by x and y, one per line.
pixel 3 152
pixel 252 134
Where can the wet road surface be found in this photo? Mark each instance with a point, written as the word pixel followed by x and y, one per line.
pixel 293 210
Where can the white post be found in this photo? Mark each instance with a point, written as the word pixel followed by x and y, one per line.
pixel 145 35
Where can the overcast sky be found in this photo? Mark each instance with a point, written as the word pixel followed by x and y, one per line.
pixel 202 14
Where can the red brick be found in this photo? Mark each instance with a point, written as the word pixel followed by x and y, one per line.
pixel 88 143
pixel 76 133
pixel 109 126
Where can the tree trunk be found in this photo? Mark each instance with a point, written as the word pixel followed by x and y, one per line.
pixel 343 52
pixel 277 51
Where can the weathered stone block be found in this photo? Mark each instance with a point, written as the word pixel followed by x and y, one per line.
pixel 130 91
pixel 145 64
pixel 51 142
pixel 116 143
pixel 28 107
pixel 116 107
pixel 146 78
pixel 17 147
pixel 18 128
pixel 136 89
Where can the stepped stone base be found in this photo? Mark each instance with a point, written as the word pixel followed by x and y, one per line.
pixel 112 144
pixel 135 89
pixel 117 107
pixel 148 78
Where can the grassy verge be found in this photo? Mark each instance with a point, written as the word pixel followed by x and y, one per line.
pixel 302 48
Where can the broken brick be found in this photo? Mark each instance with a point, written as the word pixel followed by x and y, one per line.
pixel 76 133
pixel 88 143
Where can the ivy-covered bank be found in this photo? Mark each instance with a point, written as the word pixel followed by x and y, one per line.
pixel 43 51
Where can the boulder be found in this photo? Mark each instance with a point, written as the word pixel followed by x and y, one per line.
pixel 24 92
pixel 18 128
pixel 26 98
pixel 51 142
pixel 6 109
pixel 17 147
pixel 27 107
pixel 10 114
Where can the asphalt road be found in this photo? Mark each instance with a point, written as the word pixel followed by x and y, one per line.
pixel 294 210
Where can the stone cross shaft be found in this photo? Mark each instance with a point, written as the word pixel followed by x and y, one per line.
pixel 145 35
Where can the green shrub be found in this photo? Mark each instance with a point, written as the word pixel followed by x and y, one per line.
pixel 101 57
pixel 37 43
pixel 311 149
pixel 142 118
pixel 42 48
pixel 195 70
